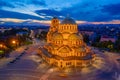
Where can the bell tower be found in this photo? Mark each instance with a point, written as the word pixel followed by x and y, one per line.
pixel 54 24
pixel 53 28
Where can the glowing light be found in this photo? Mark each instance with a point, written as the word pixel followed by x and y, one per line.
pixel 13 42
pixel 1 45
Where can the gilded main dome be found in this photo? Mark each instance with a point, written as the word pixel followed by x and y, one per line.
pixel 68 20
pixel 74 37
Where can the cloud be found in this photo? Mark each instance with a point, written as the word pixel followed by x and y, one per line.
pixel 23 20
pixel 109 22
pixel 91 10
pixel 17 22
pixel 10 14
pixel 12 20
pixel 82 10
pixel 38 2
pixel 14 3
pixel 3 3
pixel 112 9
pixel 49 13
pixel 108 13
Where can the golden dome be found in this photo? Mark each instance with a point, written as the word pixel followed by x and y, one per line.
pixel 81 49
pixel 57 36
pixel 64 49
pixel 65 35
pixel 75 37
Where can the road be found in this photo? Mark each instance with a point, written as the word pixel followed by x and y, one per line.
pixel 24 64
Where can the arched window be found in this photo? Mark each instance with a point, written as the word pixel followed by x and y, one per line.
pixel 76 42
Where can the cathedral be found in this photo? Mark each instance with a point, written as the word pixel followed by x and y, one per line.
pixel 65 47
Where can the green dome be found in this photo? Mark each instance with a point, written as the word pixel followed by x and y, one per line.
pixel 68 20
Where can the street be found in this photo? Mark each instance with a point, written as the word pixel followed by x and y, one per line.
pixel 25 64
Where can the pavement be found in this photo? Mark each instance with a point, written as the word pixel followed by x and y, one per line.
pixel 25 64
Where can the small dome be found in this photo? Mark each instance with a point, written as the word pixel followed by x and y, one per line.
pixel 66 34
pixel 64 49
pixel 57 36
pixel 74 37
pixel 81 49
pixel 68 20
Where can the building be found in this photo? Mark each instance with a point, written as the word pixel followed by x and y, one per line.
pixel 65 46
pixel 107 38
pixel 2 29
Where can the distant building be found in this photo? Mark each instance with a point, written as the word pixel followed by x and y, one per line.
pixel 32 34
pixel 2 29
pixel 107 38
pixel 22 33
pixel 95 37
pixel 87 32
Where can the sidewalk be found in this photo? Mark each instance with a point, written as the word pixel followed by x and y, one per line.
pixel 17 52
pixel 13 55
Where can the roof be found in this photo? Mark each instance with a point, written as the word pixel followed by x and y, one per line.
pixel 81 49
pixel 68 20
pixel 64 49
pixel 87 57
pixel 75 37
pixel 57 36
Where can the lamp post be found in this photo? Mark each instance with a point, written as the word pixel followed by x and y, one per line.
pixel 1 45
pixel 2 51
pixel 14 42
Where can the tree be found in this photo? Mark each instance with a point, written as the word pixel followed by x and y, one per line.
pixel 43 35
pixel 86 38
pixel 117 45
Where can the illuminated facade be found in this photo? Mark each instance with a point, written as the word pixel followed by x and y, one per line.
pixel 65 46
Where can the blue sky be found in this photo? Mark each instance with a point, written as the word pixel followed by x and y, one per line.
pixel 43 10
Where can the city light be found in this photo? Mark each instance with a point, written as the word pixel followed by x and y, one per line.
pixel 1 45
pixel 14 42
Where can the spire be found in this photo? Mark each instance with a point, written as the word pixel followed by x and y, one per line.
pixel 54 17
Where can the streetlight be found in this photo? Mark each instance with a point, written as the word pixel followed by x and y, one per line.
pixel 1 45
pixel 2 50
pixel 14 42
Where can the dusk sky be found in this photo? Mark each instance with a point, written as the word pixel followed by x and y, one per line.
pixel 84 11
